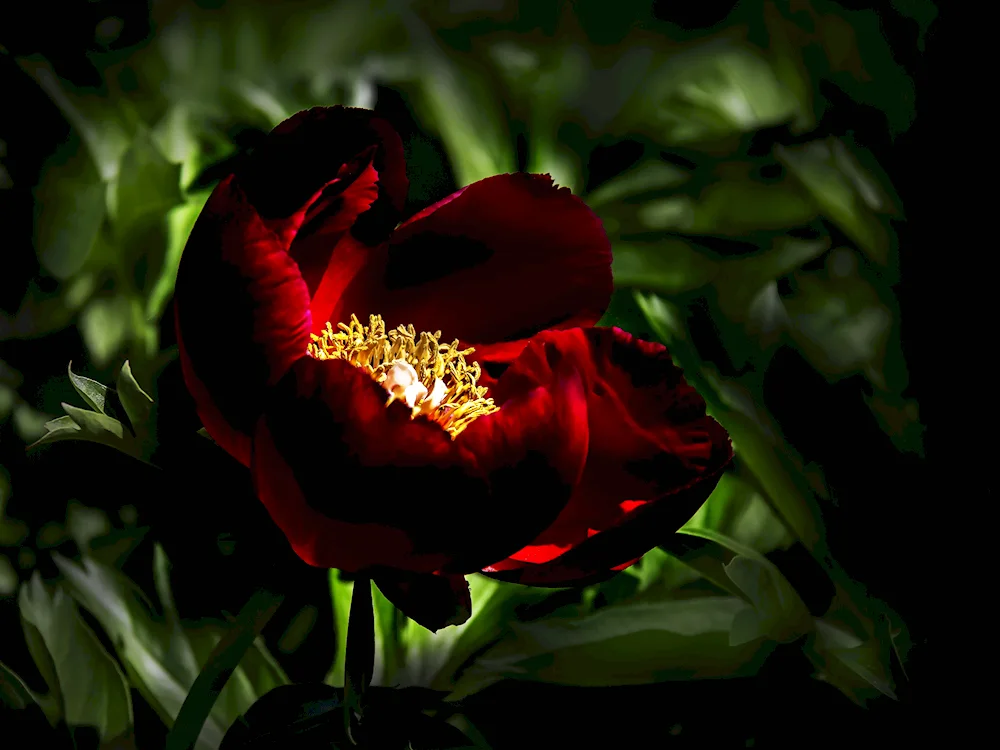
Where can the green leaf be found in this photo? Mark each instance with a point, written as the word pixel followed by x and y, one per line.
pixel 844 192
pixel 702 558
pixel 105 325
pixel 144 646
pixel 147 187
pixel 94 393
pixel 731 207
pixel 841 325
pixel 659 569
pixel 638 183
pixel 97 426
pixel 98 121
pixel 93 690
pixel 163 656
pixel 340 596
pixel 15 694
pixel 856 667
pixel 755 437
pixel 71 208
pixel 43 711
pixel 137 402
pixel 667 266
pixel 457 96
pixel 722 540
pixel 387 647
pixel 85 524
pixel 737 513
pixel 778 612
pixel 433 659
pixel 220 671
pixel 256 675
pixel 621 645
pixel 713 90
pixel 180 222
pixel 81 424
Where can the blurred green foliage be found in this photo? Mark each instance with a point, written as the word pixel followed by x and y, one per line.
pixel 738 232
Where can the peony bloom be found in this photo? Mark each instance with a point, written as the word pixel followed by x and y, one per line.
pixel 422 400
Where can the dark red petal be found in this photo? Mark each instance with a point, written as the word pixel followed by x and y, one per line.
pixel 491 265
pixel 242 313
pixel 433 601
pixel 654 455
pixel 263 242
pixel 305 152
pixel 356 485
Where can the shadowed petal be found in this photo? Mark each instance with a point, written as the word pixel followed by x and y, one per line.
pixel 433 601
pixel 242 315
pixel 357 485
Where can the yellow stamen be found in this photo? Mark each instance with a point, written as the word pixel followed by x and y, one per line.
pixel 432 378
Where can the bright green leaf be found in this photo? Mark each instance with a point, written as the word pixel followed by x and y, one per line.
pixel 716 89
pixel 144 645
pixel 93 690
pixel 736 511
pixel 340 595
pixel 94 393
pixel 387 647
pixel 180 221
pixel 136 401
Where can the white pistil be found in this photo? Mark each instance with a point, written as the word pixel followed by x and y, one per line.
pixel 402 383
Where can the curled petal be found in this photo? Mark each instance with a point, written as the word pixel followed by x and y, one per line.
pixel 260 248
pixel 308 150
pixel 654 456
pixel 457 266
pixel 242 315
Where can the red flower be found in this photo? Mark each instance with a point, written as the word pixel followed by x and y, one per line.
pixel 570 465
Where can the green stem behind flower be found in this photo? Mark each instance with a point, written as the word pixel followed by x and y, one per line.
pixel 360 657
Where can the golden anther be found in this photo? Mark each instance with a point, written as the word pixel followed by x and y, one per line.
pixel 433 379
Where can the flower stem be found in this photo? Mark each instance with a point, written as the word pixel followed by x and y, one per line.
pixel 360 656
pixel 221 664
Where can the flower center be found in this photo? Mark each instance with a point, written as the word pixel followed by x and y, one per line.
pixel 432 378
